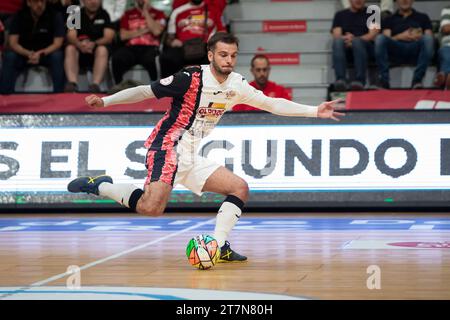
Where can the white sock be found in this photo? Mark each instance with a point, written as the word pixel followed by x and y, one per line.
pixel 120 192
pixel 228 216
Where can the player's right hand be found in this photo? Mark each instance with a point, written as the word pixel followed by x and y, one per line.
pixel 94 102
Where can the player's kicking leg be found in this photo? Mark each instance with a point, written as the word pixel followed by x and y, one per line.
pixel 223 181
pixel 151 201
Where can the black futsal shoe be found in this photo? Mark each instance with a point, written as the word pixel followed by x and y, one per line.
pixel 228 255
pixel 87 184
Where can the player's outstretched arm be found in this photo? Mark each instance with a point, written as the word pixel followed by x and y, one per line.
pixel 327 110
pixel 283 107
pixel 131 95
pixel 94 101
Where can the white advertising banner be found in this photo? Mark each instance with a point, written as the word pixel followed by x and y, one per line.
pixel 345 157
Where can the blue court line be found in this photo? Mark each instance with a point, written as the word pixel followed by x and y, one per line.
pixel 271 223
pixel 146 295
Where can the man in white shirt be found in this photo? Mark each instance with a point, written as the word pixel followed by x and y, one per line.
pixel 442 79
pixel 115 9
pixel 386 7
pixel 201 95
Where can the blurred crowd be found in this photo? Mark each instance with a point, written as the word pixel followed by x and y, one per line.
pixel 402 37
pixel 113 35
pixel 116 35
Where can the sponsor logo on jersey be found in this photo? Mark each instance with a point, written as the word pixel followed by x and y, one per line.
pixel 214 111
pixel 216 105
pixel 230 94
pixel 210 113
pixel 194 22
pixel 99 21
pixel 166 81
pixel 198 17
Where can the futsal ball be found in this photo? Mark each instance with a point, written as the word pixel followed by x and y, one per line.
pixel 203 252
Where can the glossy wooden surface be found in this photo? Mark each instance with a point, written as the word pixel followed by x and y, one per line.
pixel 307 263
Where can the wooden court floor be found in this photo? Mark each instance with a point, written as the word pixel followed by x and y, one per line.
pixel 315 256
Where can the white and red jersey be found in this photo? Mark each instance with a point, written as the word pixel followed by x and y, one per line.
pixel 271 89
pixel 188 22
pixel 199 101
pixel 133 20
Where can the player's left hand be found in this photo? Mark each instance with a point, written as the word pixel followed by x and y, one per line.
pixel 327 110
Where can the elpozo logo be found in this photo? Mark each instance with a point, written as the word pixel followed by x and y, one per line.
pixel 212 112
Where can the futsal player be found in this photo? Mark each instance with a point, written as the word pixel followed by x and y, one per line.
pixel 201 95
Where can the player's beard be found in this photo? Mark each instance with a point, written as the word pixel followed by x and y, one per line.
pixel 220 71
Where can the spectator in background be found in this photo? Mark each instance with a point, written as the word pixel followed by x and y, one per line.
pixel 443 76
pixel 260 68
pixel 141 29
pixel 386 7
pixel 216 7
pixel 406 38
pixel 352 41
pixel 35 38
pixel 186 23
pixel 115 9
pixel 89 46
pixel 8 8
pixel 2 36
pixel 62 5
pixel 2 41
